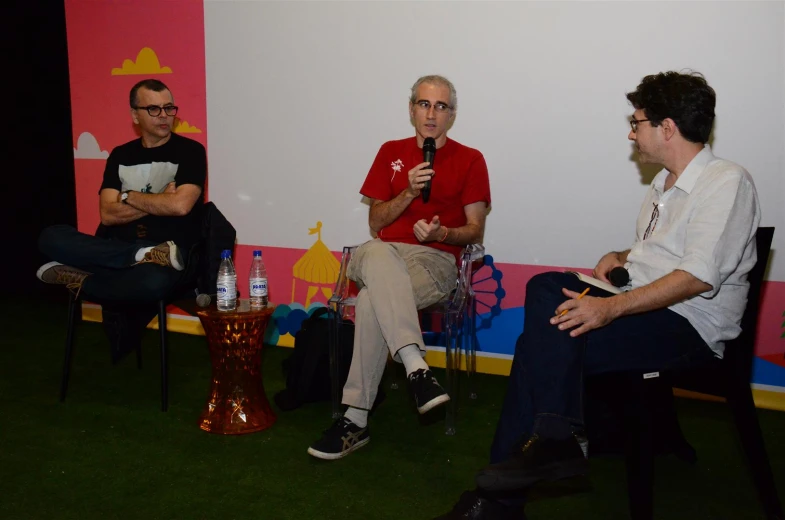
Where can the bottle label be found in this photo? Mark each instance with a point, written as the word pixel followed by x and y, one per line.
pixel 227 290
pixel 258 287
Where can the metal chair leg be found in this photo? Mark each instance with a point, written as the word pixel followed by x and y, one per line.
pixel 164 346
pixel 746 418
pixel 336 321
pixel 139 355
pixel 69 345
pixel 471 346
pixel 452 364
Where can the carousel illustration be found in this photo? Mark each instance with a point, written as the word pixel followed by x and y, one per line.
pixel 313 280
pixel 317 271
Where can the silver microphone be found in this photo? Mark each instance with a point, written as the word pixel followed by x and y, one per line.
pixel 203 300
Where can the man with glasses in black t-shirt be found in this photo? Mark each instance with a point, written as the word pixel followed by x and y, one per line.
pixel 150 202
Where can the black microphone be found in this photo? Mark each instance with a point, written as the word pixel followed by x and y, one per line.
pixel 428 154
pixel 619 277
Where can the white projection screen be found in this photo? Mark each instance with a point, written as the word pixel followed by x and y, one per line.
pixel 300 95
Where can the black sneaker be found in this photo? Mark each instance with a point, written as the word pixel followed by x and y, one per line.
pixel 539 459
pixel 475 506
pixel 339 440
pixel 426 390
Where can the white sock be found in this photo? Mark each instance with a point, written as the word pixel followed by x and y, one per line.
pixel 412 359
pixel 140 254
pixel 357 415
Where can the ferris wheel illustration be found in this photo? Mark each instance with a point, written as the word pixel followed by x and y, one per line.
pixel 488 296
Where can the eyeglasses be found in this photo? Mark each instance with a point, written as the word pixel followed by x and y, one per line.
pixel 426 105
pixel 155 110
pixel 655 216
pixel 634 124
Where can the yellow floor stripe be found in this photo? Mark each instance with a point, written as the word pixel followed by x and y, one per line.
pixel 485 365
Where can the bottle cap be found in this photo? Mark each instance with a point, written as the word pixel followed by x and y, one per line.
pixel 257 253
pixel 226 253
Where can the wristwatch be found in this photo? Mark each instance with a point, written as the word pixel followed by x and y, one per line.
pixel 124 197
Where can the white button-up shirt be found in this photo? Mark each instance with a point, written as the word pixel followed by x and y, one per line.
pixel 706 226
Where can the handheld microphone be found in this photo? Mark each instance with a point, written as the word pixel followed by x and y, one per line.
pixel 619 277
pixel 428 154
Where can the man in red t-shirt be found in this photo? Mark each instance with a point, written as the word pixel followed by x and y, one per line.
pixel 412 262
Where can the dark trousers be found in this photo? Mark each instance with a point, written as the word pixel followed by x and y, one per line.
pixel 114 278
pixel 548 370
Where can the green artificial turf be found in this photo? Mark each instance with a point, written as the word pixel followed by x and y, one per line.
pixel 109 452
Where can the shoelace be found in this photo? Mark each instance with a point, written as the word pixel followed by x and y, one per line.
pixel 71 280
pixel 338 425
pixel 155 256
pixel 419 375
pixel 529 442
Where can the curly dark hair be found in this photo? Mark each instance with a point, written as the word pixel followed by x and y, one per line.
pixel 150 84
pixel 686 98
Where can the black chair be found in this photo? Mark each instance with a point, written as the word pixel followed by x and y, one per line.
pixel 200 276
pixel 651 424
pixel 76 301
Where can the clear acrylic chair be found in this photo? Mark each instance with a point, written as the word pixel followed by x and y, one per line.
pixel 455 314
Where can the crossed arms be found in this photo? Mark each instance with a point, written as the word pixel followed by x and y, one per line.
pixel 175 201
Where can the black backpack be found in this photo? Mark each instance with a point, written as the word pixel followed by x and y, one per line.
pixel 307 369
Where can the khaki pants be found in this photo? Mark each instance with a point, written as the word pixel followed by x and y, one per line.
pixel 395 281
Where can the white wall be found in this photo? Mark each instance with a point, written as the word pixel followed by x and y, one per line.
pixel 301 95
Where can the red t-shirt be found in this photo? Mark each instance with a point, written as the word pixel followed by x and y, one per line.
pixel 461 178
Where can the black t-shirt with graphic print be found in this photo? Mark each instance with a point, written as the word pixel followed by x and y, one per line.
pixel 131 166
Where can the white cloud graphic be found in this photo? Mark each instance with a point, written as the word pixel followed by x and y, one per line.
pixel 87 148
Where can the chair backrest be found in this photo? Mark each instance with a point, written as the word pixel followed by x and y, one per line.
pixel 740 352
pixel 471 259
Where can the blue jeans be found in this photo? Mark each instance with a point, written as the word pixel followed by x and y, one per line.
pixel 114 278
pixel 549 366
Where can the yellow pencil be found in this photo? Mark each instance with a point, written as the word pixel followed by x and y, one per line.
pixel 578 298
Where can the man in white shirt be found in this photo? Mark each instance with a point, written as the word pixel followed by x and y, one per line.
pixel 688 266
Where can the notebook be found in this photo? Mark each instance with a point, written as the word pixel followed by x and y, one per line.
pixel 596 283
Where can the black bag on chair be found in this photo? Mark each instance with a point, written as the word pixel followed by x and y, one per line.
pixel 217 234
pixel 308 368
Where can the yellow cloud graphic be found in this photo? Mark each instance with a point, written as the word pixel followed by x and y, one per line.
pixel 146 63
pixel 182 127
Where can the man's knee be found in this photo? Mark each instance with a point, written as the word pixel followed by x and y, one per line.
pixel 372 256
pixel 549 282
pixel 375 249
pixel 52 239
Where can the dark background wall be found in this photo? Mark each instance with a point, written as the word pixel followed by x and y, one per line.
pixel 38 181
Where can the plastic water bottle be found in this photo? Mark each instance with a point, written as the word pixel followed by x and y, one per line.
pixel 257 279
pixel 227 283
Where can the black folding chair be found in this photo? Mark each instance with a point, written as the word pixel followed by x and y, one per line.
pixel 652 412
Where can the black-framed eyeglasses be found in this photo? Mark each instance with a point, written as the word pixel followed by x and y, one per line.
pixel 655 216
pixel 155 110
pixel 425 105
pixel 634 124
